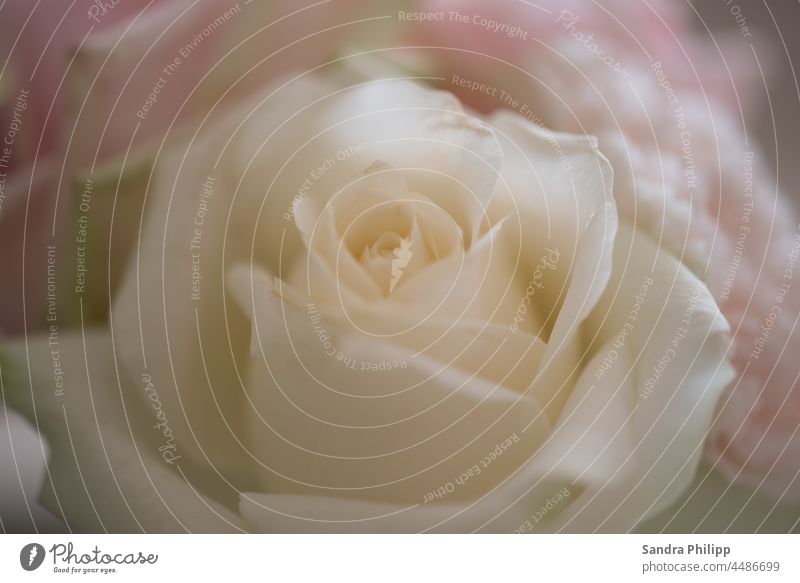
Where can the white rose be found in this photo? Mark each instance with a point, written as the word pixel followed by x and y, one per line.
pixel 364 309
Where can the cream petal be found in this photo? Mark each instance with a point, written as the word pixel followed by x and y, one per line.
pixel 447 155
pixel 315 276
pixel 490 351
pixel 668 419
pixel 398 233
pixel 588 280
pixel 24 453
pixel 561 187
pixel 105 471
pixel 374 205
pixel 320 424
pixel 282 513
pixel 591 449
pixel 379 183
pixel 553 187
pixel 495 282
pixel 622 455
pixel 592 438
pixel 456 314
pixel 495 512
pixel 171 316
pixel 442 289
pixel 185 344
pixel 478 285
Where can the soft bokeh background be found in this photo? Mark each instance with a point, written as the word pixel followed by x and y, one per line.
pixel 776 124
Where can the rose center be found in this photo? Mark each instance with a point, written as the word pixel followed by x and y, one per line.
pixel 395 239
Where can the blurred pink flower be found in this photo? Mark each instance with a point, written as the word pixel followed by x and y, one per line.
pixel 657 30
pixel 40 45
pixel 111 80
pixel 757 436
pixel 37 44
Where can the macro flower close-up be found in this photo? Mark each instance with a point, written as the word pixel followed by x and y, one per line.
pixel 435 266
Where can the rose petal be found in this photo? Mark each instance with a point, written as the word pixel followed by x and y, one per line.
pixel 281 513
pixel 562 191
pixel 23 452
pixel 670 405
pixel 175 324
pixel 379 435
pixel 448 156
pixel 104 473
